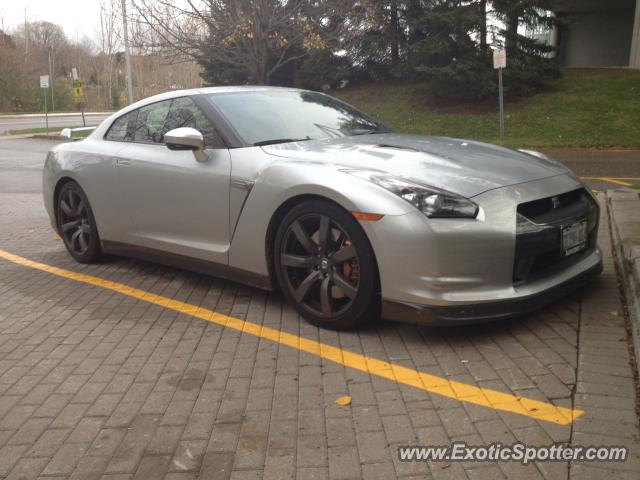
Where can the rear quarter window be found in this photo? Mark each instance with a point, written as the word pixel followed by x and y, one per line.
pixel 121 129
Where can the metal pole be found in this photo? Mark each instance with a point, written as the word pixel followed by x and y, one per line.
pixel 26 35
pixel 500 88
pixel 84 123
pixel 46 114
pixel 127 56
pixel 53 102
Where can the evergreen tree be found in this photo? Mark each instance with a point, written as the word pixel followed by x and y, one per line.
pixel 448 46
pixel 531 64
pixel 374 39
pixel 446 50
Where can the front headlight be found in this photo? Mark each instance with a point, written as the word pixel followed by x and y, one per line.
pixel 431 201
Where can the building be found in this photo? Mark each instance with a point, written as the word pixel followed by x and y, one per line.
pixel 598 33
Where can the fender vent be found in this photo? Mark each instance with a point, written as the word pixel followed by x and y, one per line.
pixel 396 147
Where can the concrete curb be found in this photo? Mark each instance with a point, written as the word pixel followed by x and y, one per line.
pixel 624 211
pixel 44 136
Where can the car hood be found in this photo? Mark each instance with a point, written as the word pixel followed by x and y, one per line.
pixel 464 167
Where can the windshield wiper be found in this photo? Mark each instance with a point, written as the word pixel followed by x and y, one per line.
pixel 279 140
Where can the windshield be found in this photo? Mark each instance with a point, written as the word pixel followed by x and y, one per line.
pixel 263 117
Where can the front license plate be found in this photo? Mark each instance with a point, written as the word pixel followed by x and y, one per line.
pixel 574 238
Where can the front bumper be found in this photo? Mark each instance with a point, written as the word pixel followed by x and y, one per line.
pixel 450 315
pixel 468 271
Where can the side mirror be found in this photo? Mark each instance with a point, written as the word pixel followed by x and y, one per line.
pixel 186 138
pixel 72 134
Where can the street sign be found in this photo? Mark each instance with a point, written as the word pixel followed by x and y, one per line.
pixel 500 63
pixel 78 92
pixel 499 59
pixel 44 85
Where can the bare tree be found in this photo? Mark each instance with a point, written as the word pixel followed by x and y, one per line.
pixel 255 36
pixel 109 42
pixel 10 56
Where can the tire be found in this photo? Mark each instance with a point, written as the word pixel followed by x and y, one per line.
pixel 325 266
pixel 76 224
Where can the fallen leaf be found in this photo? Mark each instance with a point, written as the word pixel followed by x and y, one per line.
pixel 344 401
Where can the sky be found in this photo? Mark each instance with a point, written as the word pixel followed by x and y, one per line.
pixel 79 17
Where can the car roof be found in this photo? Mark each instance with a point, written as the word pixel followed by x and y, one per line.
pixel 210 90
pixel 244 88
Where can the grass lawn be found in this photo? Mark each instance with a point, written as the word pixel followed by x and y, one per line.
pixel 52 130
pixel 41 112
pixel 6 114
pixel 586 108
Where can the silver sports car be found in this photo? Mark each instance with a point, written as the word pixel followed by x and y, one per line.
pixel 292 189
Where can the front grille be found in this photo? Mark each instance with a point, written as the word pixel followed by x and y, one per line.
pixel 539 231
pixel 554 209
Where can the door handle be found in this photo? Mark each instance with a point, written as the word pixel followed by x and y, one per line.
pixel 122 161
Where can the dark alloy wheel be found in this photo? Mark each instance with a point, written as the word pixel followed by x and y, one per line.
pixel 76 224
pixel 325 265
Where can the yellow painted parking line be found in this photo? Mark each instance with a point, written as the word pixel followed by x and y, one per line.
pixel 614 178
pixel 616 181
pixel 390 371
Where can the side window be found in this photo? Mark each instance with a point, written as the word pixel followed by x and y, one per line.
pixel 122 129
pixel 150 124
pixel 185 113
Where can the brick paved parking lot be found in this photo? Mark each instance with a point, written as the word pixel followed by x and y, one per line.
pixel 129 369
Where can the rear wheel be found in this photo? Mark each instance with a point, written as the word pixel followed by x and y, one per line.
pixel 76 224
pixel 325 266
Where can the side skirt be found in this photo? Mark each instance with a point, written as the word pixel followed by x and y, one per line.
pixel 227 272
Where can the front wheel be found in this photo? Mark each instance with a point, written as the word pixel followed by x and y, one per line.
pixel 76 224
pixel 325 266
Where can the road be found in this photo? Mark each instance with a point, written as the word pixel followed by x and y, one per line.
pixel 128 369
pixel 599 163
pixel 56 121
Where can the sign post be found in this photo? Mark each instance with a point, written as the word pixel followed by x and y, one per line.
pixel 499 63
pixel 44 85
pixel 78 93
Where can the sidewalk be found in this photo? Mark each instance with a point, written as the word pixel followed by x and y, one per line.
pixel 624 213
